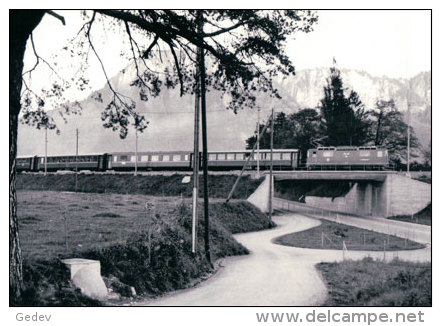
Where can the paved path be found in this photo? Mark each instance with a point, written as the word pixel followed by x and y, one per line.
pixel 272 275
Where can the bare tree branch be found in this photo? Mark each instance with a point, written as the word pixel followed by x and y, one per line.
pixel 54 14
pixel 178 68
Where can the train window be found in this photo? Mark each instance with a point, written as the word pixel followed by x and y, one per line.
pixel 115 159
pixel 212 157
pixel 380 154
pixel 230 157
pixel 186 157
pixel 365 153
pixel 155 158
pixel 328 154
pixel 144 158
pixel 176 157
pixel 166 158
pixel 123 158
pixel 286 156
pixel 132 158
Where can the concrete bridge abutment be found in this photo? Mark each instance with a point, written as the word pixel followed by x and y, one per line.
pixel 381 194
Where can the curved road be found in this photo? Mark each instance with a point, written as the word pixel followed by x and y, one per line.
pixel 274 275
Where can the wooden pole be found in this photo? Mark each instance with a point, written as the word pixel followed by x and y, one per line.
pixel 408 136
pixel 45 152
pixel 270 204
pixel 230 195
pixel 76 164
pixel 195 161
pixel 136 152
pixel 258 143
pixel 204 148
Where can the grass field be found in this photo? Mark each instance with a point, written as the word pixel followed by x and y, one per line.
pixel 148 250
pixel 376 283
pixel 330 235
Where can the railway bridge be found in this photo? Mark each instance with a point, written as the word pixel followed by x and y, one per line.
pixel 368 193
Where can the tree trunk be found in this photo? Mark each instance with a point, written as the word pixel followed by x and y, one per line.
pixel 21 25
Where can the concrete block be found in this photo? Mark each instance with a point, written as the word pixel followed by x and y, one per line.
pixel 86 275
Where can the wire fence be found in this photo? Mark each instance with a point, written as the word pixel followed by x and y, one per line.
pixel 292 206
pixel 381 240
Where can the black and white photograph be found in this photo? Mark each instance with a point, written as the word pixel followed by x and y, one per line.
pixel 274 159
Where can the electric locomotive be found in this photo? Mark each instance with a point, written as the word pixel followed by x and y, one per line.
pixel 347 157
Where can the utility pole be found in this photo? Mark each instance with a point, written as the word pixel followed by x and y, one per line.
pixel 195 161
pixel 230 195
pixel 408 136
pixel 136 152
pixel 45 152
pixel 258 143
pixel 270 203
pixel 204 144
pixel 76 165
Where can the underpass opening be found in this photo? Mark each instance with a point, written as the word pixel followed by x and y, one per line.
pixel 298 190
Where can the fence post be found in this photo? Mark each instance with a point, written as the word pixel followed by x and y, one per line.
pixel 323 240
pixel 343 250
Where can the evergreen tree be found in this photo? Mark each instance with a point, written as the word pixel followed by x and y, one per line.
pixel 344 120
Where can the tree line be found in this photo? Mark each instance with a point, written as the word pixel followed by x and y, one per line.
pixel 341 119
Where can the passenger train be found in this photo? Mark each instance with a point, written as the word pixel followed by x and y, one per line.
pixel 283 159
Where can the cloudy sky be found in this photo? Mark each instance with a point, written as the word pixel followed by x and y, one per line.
pixel 394 43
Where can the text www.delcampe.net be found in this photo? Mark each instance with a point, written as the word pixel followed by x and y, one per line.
pixel 339 317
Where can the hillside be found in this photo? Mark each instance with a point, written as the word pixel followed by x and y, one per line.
pixel 171 116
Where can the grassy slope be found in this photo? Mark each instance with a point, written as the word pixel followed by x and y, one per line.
pixel 354 238
pixel 375 283
pixel 153 185
pixel 102 226
pixel 422 217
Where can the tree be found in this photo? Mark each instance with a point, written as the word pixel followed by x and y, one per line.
pixel 306 130
pixel 389 130
pixel 297 130
pixel 428 155
pixel 246 49
pixel 344 119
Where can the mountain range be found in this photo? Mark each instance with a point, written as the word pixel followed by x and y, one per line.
pixel 171 117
